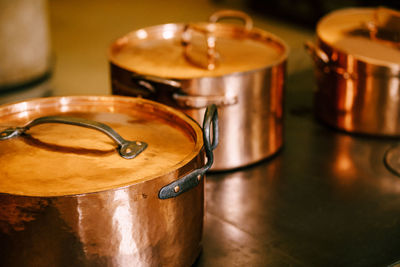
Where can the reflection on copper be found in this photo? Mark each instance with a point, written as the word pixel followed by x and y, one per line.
pixel 122 221
pixel 391 112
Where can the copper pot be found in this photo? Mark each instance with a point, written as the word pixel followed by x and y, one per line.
pixel 72 196
pixel 239 68
pixel 357 60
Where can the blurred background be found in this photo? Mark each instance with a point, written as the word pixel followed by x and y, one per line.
pixel 59 47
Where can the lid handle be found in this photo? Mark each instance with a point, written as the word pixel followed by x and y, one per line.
pixel 127 149
pixel 212 55
pixel 211 60
pixel 234 14
pixel 385 26
pixel 192 179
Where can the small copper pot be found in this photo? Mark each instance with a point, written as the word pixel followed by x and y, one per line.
pixel 357 66
pixel 239 68
pixel 71 196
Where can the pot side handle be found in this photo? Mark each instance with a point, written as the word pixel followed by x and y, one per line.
pixel 183 100
pixel 323 61
pixel 127 149
pixel 192 179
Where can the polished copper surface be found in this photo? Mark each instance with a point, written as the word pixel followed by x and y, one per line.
pixel 121 224
pixel 158 50
pixel 358 78
pixel 247 82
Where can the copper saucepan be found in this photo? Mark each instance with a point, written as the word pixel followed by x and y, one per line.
pixel 129 191
pixel 239 68
pixel 357 66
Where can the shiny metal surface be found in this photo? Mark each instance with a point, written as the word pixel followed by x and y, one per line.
pixel 355 92
pixel 127 149
pixel 251 129
pixel 210 142
pixel 250 101
pixel 123 227
pixel 127 225
pixel 326 200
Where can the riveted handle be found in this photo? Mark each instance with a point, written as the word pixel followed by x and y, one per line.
pixel 192 179
pixel 127 149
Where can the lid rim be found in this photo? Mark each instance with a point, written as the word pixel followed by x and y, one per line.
pixel 185 125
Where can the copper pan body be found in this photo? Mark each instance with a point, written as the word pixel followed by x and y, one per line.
pixel 250 130
pixel 355 94
pixel 250 114
pixel 127 226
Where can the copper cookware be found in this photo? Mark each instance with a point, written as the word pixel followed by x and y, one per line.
pixel 126 192
pixel 357 59
pixel 239 68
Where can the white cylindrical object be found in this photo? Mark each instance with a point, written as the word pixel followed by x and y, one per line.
pixel 24 42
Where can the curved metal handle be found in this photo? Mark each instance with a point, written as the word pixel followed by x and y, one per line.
pixel 234 14
pixel 127 149
pixel 199 101
pixel 144 80
pixel 322 60
pixel 316 53
pixel 183 100
pixel 192 179
pixel 384 27
pixel 212 54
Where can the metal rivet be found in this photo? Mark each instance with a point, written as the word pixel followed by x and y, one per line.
pixel 199 177
pixel 138 143
pixel 176 189
pixel 128 150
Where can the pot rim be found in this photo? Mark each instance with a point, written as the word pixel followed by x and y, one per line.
pixel 259 33
pixel 20 106
pixel 376 62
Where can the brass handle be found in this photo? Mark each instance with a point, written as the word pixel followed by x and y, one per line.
pixel 184 100
pixel 208 31
pixel 144 80
pixel 323 61
pixel 192 179
pixel 316 53
pixel 210 42
pixel 198 101
pixel 385 27
pixel 234 14
pixel 127 149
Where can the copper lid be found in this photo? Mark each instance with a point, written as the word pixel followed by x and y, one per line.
pixel 194 50
pixel 369 34
pixel 53 159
